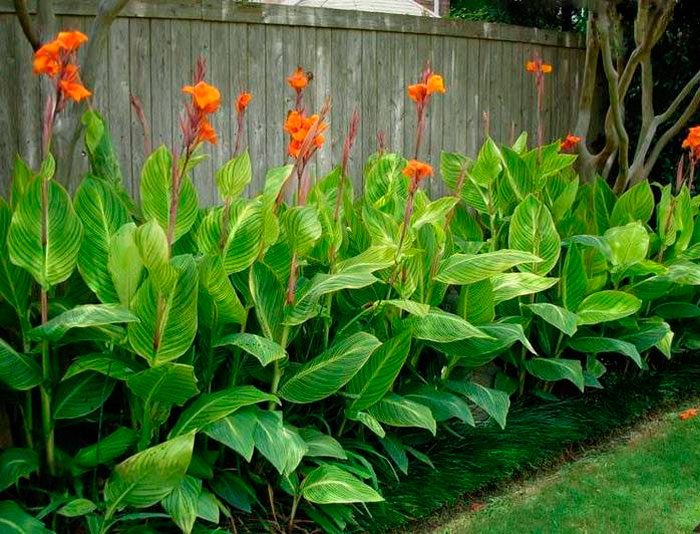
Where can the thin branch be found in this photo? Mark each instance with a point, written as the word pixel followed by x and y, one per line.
pixel 666 115
pixel 26 23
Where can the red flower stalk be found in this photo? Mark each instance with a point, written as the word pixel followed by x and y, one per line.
pixel 539 69
pixel 347 148
pixel 381 142
pixel 242 102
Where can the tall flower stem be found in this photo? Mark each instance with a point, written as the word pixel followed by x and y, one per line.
pixel 46 415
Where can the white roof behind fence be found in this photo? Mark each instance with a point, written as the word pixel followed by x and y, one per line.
pixel 398 7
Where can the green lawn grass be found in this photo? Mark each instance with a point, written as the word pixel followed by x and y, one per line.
pixel 647 482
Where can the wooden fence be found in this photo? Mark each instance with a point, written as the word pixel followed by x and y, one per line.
pixel 362 61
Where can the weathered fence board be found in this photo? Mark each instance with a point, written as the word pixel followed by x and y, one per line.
pixel 361 61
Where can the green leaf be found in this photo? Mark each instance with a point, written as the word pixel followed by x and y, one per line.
pixel 234 176
pixel 236 432
pixel 532 229
pixel 494 402
pixel 181 503
pixel 409 306
pixel 398 411
pixel 107 449
pixel 113 365
pixel 265 350
pixel 471 268
pixel 558 317
pixel 50 259
pixel 329 484
pixel 17 370
pixel 168 384
pixel 234 490
pixel 211 407
pixel 268 297
pixel 102 213
pixel 596 345
pixel 453 170
pixel 574 281
pixel 628 244
pixel 327 373
pixel 442 327
pixel 321 445
pixel 157 193
pixel 605 306
pixel 100 149
pixel 282 446
pixel 488 164
pixel 81 395
pixel 635 205
pixel 16 464
pixel 167 321
pixel 511 285
pixel 367 420
pixel 376 377
pixel 15 283
pixel 83 316
pixel 77 508
pixel 218 301
pixel 150 475
pixel 551 370
pixel 475 303
pixel 302 228
pixel 14 519
pixel 443 404
pixel 124 263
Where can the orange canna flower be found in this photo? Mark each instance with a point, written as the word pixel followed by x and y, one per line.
pixel 207 98
pixel 417 170
pixel 298 127
pixel 72 40
pixel 436 84
pixel 299 80
pixel 418 91
pixel 70 84
pixel 206 132
pixel 47 59
pixel 569 142
pixel 294 122
pixel 546 68
pixel 531 66
pixel 242 101
pixel 537 66
pixel 688 414
pixel 692 142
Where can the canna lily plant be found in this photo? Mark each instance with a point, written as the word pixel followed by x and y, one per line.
pixel 273 359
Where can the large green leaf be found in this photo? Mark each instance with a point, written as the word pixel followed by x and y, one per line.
pixel 83 316
pixel 635 204
pixel 268 297
pixel 488 164
pixel 150 475
pixel 475 303
pixel 234 176
pixel 494 402
pixel 265 350
pixel 112 364
pixel 124 263
pixel 329 484
pixel 77 508
pixel 574 281
pixel 17 370
pixel 443 404
pixel 211 407
pixel 511 285
pixel 561 318
pixel 13 519
pixel 102 214
pixel 376 376
pixel 107 449
pixel 81 395
pixel 628 244
pixel 442 327
pixel 321 445
pixel 605 306
pixel 302 228
pixel 100 149
pixel 551 370
pixel 167 321
pixel 236 432
pixel 219 304
pixel 532 229
pixel 181 503
pixel 168 384
pixel 15 283
pixel 157 193
pixel 471 268
pixel 398 411
pixel 45 236
pixel 16 464
pixel 281 445
pixel 596 345
pixel 327 373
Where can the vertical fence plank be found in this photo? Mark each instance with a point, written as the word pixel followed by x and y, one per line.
pixel 119 107
pixel 221 77
pixel 369 112
pixel 474 96
pixel 275 92
pixel 323 83
pixel 8 71
pixel 140 84
pixel 354 98
pixel 257 77
pixel 203 174
pixel 162 100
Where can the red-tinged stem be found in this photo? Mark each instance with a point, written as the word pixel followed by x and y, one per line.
pixel 239 133
pixel 175 199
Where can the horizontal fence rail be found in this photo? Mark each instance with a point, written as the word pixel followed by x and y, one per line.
pixel 363 61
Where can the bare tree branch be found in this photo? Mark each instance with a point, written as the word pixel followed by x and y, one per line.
pixel 666 115
pixel 585 106
pixel 26 23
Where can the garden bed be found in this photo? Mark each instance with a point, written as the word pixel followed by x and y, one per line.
pixel 536 437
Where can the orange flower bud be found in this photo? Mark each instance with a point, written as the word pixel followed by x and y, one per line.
pixel 436 84
pixel 417 170
pixel 242 101
pixel 546 68
pixel 206 133
pixel 531 66
pixel 417 92
pixel 299 80
pixel 207 98
pixel 569 142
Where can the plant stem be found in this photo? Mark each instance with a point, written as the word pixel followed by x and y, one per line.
pixel 293 514
pixel 47 420
pixel 277 374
